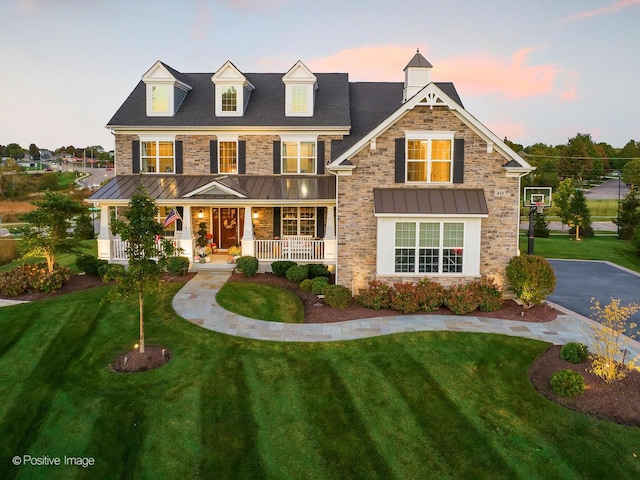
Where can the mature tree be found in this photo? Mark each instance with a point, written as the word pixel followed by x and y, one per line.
pixel 516 147
pixel 15 151
pixel 578 158
pixel 630 151
pixel 145 253
pixel 34 151
pixel 562 199
pixel 579 215
pixel 629 214
pixel 47 231
pixel 631 173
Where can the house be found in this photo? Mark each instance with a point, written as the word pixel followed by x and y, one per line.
pixel 392 181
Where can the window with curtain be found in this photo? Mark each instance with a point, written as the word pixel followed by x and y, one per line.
pixel 228 156
pixel 429 160
pixel 160 98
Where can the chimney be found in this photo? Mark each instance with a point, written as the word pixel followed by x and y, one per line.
pixel 417 74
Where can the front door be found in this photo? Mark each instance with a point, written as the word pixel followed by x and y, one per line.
pixel 227 226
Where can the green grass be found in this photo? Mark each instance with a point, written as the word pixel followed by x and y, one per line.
pixel 609 249
pixel 66 259
pixel 264 302
pixel 422 405
pixel 603 208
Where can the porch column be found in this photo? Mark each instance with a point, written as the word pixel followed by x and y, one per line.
pixel 248 246
pixel 330 235
pixel 186 239
pixel 104 236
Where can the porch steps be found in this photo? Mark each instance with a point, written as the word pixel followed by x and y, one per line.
pixel 218 263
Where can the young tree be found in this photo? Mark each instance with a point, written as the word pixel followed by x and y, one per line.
pixel 146 254
pixel 629 214
pixel 579 215
pixel 47 232
pixel 562 199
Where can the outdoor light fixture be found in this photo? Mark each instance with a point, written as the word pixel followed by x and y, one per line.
pixel 200 214
pixel 255 215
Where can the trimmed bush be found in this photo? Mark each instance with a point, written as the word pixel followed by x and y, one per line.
pixel 376 296
pixel 247 265
pixel 403 298
pixel 33 278
pixel 337 296
pixel 297 273
pixel 89 264
pixel 462 299
pixel 318 270
pixel 319 285
pixel 177 265
pixel 489 295
pixel 305 285
pixel 531 278
pixel 280 267
pixel 430 295
pixel 567 383
pixel 574 352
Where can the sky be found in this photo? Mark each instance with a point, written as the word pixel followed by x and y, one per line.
pixel 533 72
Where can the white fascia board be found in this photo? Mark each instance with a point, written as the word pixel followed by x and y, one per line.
pixel 211 130
pixel 458 216
pixel 214 184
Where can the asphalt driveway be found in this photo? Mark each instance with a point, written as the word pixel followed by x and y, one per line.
pixel 577 281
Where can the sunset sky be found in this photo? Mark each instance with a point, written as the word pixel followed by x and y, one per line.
pixel 531 71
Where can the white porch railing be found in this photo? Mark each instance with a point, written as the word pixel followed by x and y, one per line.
pixel 119 252
pixel 290 248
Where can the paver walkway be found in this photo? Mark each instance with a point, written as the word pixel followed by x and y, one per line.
pixel 196 302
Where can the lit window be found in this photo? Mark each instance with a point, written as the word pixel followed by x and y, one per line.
pixel 298 157
pixel 429 247
pixel 228 157
pixel 156 156
pixel 160 98
pixel 299 98
pixel 230 100
pixel 299 221
pixel 429 160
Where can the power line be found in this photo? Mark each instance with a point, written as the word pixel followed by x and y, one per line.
pixel 579 158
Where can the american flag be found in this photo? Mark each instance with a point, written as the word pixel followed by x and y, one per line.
pixel 171 217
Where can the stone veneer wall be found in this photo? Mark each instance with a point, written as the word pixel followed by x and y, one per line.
pixel 375 169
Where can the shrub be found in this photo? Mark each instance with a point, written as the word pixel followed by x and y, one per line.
pixel 531 277
pixel 337 296
pixel 280 267
pixel 89 264
pixel 14 282
pixel 305 285
pixel 567 383
pixel 247 265
pixel 635 239
pixel 489 295
pixel 376 296
pixel 574 352
pixel 84 229
pixel 318 270
pixel 45 281
pixel 540 226
pixel 177 265
pixel 462 299
pixel 403 298
pixel 319 285
pixel 430 295
pixel 110 271
pixel 297 273
pixel 33 278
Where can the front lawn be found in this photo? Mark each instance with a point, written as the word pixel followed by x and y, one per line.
pixel 421 405
pixel 263 302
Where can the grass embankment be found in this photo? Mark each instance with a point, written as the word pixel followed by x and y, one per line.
pixel 609 249
pixel 422 405
pixel 263 302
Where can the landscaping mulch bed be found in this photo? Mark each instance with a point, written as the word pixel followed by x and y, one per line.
pixel 154 356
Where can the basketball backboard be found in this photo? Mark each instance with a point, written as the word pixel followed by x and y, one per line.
pixel 537 196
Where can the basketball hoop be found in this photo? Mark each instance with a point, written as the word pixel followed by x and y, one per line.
pixel 539 207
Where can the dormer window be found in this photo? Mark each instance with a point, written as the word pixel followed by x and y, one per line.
pixel 232 91
pixel 160 98
pixel 300 86
pixel 166 90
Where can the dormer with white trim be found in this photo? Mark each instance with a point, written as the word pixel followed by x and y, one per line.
pixel 232 91
pixel 300 87
pixel 417 74
pixel 166 90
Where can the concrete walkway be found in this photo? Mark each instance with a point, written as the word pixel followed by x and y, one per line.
pixel 196 302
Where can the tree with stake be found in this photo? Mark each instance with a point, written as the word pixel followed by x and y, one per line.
pixel 579 215
pixel 146 253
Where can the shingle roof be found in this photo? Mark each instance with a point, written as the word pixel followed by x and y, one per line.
pixel 450 201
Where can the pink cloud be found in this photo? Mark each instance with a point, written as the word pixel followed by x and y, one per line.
pixel 203 20
pixel 254 4
pixel 609 9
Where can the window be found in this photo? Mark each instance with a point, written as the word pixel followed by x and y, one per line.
pixel 230 100
pixel 299 98
pixel 299 221
pixel 160 99
pixel 429 160
pixel 157 156
pixel 298 157
pixel 228 156
pixel 429 247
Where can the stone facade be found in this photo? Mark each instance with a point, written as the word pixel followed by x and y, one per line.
pixel 357 228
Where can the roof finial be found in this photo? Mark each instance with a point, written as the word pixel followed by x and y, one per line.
pixel 418 50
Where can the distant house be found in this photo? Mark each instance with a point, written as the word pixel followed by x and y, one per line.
pixel 46 156
pixel 393 181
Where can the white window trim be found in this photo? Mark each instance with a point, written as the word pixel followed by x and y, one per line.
pixel 171 99
pixel 298 139
pixel 385 248
pixel 427 135
pixel 227 138
pixel 222 87
pixel 308 112
pixel 165 138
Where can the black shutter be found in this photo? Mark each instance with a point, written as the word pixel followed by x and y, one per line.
pixel 276 221
pixel 277 160
pixel 178 156
pixel 242 157
pixel 400 161
pixel 320 158
pixel 458 160
pixel 320 222
pixel 135 156
pixel 213 156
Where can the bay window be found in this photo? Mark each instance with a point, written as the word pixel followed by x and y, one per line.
pixel 429 247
